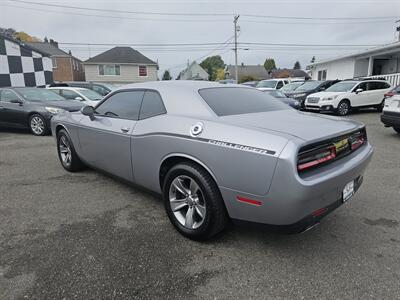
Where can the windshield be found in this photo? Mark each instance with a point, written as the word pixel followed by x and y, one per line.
pixel 291 86
pixel 344 86
pixel 109 86
pixel 38 94
pixel 227 101
pixel 91 95
pixel 276 94
pixel 267 84
pixel 310 85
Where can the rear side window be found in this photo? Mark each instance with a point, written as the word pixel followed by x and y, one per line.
pixel 7 96
pixel 225 101
pixel 152 105
pixel 124 105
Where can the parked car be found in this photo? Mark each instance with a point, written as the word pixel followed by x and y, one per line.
pixel 271 84
pixel 250 83
pixel 101 88
pixel 32 108
pixel 282 97
pixel 288 88
pixel 349 94
pixel 394 91
pixel 391 113
pixel 308 88
pixel 86 96
pixel 214 156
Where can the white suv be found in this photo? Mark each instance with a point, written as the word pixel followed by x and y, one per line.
pixel 391 113
pixel 345 95
pixel 271 84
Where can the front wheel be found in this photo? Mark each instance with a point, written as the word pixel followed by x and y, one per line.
pixel 37 125
pixel 193 202
pixel 343 108
pixel 397 129
pixel 66 153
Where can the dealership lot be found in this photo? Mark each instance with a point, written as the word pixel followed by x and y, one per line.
pixel 86 235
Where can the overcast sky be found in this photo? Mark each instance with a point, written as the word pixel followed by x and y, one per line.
pixel 71 25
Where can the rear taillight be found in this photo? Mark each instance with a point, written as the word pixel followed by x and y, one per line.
pixel 389 94
pixel 313 158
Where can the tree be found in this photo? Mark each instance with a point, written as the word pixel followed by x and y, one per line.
pixel 220 74
pixel 24 37
pixel 269 64
pixel 313 60
pixel 166 75
pixel 211 64
pixel 297 65
pixel 247 78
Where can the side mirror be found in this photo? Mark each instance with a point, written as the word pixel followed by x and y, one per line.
pixel 359 91
pixel 79 98
pixel 16 101
pixel 88 111
pixel 322 89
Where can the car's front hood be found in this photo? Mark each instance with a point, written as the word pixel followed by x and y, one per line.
pixel 64 104
pixel 325 94
pixel 307 126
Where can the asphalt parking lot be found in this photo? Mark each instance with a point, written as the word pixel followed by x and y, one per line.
pixel 88 236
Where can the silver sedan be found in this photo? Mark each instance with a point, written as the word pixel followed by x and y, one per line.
pixel 217 153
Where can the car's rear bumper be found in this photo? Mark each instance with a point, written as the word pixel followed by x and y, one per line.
pixel 294 203
pixel 390 119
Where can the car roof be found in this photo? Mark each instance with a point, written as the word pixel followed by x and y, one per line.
pixel 72 88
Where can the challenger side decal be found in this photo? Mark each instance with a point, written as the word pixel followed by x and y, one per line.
pixel 241 147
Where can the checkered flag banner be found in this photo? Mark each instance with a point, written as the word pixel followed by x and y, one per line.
pixel 20 66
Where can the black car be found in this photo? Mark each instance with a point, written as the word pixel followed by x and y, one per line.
pixel 310 87
pixel 32 108
pixel 101 88
pixel 282 97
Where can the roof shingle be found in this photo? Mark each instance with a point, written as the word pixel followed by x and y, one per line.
pixel 121 55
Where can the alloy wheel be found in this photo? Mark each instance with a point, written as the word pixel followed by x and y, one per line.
pixel 37 125
pixel 187 202
pixel 65 151
pixel 343 109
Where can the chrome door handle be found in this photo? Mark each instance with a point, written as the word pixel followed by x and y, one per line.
pixel 125 129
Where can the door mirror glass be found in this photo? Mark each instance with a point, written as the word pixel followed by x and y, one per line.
pixel 359 91
pixel 88 111
pixel 79 98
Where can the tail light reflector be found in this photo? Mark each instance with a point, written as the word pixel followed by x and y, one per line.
pixel 389 94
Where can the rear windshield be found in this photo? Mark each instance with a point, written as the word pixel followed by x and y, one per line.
pixel 309 85
pixel 267 84
pixel 227 101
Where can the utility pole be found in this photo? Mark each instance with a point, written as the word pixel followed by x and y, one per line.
pixel 236 29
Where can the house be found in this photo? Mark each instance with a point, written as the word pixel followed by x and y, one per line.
pixel 193 72
pixel 378 62
pixel 65 66
pixel 259 73
pixel 21 65
pixel 120 65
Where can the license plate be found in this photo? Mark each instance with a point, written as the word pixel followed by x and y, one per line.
pixel 348 191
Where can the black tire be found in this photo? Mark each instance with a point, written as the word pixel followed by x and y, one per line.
pixel 379 107
pixel 64 143
pixel 397 129
pixel 216 217
pixel 343 108
pixel 37 125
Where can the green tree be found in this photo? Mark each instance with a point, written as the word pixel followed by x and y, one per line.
pixel 212 64
pixel 247 78
pixel 166 75
pixel 297 65
pixel 269 64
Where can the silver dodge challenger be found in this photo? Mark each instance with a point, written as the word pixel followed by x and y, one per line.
pixel 217 153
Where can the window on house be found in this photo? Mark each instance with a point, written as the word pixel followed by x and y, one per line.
pixel 322 75
pixel 54 62
pixel 143 71
pixel 109 70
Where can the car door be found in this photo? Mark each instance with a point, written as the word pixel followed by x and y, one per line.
pixel 359 98
pixel 12 110
pixel 378 89
pixel 105 138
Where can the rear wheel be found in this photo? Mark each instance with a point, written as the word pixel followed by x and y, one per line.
pixel 66 153
pixel 37 125
pixel 343 108
pixel 397 129
pixel 193 202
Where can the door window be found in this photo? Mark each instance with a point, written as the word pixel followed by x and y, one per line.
pixel 8 96
pixel 152 105
pixel 70 95
pixel 124 105
pixel 279 85
pixel 362 85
